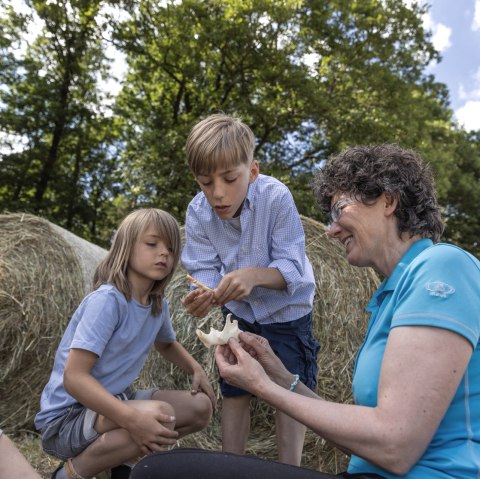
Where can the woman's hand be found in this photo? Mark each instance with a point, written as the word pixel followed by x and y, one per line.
pixel 260 349
pixel 239 368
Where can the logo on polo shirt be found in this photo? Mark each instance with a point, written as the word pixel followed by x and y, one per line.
pixel 439 288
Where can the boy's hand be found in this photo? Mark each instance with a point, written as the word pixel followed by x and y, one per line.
pixel 152 431
pixel 239 283
pixel 200 383
pixel 199 302
pixel 236 285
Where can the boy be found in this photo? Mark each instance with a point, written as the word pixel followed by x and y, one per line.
pixel 245 239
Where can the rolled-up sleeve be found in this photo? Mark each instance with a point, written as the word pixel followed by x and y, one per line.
pixel 288 244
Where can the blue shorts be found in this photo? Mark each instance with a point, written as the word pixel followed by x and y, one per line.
pixel 293 342
pixel 69 434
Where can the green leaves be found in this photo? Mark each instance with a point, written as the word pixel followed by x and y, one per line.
pixel 310 77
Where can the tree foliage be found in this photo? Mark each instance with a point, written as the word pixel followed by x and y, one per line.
pixel 50 102
pixel 310 77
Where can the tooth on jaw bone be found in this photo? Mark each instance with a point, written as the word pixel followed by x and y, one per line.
pixel 215 337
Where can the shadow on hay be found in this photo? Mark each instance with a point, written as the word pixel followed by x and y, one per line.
pixel 44 274
pixel 342 293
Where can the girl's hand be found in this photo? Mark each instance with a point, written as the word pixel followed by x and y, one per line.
pixel 200 383
pixel 152 431
pixel 198 302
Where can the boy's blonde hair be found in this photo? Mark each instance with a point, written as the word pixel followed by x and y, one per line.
pixel 113 269
pixel 219 141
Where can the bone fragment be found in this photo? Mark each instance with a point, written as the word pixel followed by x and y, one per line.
pixel 215 337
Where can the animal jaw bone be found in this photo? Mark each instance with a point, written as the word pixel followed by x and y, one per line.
pixel 215 337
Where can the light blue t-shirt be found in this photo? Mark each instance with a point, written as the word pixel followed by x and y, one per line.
pixel 432 285
pixel 120 332
pixel 270 235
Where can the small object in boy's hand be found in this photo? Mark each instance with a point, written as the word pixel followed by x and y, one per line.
pixel 197 283
pixel 215 337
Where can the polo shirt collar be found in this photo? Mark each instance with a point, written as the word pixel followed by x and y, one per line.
pixel 389 284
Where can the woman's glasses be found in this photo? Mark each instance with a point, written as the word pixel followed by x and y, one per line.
pixel 337 208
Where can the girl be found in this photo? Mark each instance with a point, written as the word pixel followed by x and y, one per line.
pixel 90 415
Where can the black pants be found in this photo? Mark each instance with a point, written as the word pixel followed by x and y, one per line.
pixel 202 464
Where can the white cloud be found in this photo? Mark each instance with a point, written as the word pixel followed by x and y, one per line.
pixel 441 37
pixel 440 33
pixel 476 16
pixel 469 115
pixel 34 28
pixel 311 61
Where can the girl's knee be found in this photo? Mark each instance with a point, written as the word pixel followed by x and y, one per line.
pixel 203 409
pixel 163 407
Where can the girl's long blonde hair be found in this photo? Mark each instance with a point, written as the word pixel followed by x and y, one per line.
pixel 113 269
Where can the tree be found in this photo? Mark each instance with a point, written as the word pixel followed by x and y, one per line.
pixel 51 99
pixel 461 210
pixel 308 77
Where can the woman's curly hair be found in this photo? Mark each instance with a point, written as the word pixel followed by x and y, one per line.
pixel 365 172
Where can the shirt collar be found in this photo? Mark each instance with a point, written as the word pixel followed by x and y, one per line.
pixel 252 190
pixel 390 283
pixel 405 260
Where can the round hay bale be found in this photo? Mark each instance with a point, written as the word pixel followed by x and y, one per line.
pixel 45 271
pixel 342 293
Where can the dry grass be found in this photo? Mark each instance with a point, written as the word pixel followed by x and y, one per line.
pixel 342 293
pixel 44 273
pixel 41 284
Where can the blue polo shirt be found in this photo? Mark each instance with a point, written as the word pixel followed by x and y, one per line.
pixel 432 285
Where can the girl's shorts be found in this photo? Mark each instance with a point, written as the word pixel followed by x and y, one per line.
pixel 69 434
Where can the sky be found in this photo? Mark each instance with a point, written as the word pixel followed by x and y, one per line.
pixel 455 27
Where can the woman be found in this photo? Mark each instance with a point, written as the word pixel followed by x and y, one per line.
pixel 416 383
pixel 12 461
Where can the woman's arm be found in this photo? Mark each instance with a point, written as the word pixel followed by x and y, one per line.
pixel 178 355
pixel 145 428
pixel 421 371
pixel 12 462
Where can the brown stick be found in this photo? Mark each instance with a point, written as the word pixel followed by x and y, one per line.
pixel 197 283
